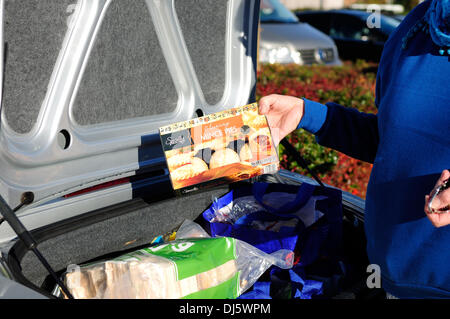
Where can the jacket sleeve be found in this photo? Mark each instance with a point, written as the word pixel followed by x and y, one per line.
pixel 344 129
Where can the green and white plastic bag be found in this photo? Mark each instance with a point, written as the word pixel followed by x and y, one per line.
pixel 192 266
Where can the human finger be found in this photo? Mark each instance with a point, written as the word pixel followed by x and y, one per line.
pixel 439 220
pixel 444 176
pixel 266 102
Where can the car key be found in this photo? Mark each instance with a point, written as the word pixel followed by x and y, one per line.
pixel 445 185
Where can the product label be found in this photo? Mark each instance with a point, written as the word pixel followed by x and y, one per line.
pixel 176 140
pixel 196 255
pixel 219 148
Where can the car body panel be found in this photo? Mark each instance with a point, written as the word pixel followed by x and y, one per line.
pixel 12 290
pixel 299 35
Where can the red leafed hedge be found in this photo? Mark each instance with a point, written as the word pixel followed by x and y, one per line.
pixel 352 85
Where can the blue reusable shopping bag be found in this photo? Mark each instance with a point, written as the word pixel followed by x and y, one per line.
pixel 317 240
pixel 290 225
pixel 262 237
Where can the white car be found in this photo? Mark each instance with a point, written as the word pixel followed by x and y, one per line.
pixel 284 39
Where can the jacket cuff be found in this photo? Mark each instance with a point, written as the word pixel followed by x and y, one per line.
pixel 314 116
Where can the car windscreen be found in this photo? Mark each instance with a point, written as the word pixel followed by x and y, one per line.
pixel 272 11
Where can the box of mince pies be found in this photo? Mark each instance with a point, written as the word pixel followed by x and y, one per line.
pixel 223 147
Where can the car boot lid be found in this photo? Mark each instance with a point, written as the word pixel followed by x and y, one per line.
pixel 88 83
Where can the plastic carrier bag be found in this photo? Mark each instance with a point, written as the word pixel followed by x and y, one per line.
pixel 194 265
pixel 306 219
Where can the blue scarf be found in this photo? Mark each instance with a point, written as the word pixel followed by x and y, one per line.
pixel 438 19
pixel 436 22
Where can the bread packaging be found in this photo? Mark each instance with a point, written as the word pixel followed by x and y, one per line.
pixel 194 268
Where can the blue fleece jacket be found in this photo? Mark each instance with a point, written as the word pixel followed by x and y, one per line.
pixel 408 142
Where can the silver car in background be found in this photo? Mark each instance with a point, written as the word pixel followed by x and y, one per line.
pixel 284 39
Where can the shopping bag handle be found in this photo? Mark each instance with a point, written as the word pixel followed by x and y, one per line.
pixel 304 192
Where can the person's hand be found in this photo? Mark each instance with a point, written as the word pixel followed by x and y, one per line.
pixel 440 202
pixel 283 114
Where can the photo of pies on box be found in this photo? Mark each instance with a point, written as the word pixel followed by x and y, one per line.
pixel 219 148
pixel 177 160
pixel 223 157
pixel 194 167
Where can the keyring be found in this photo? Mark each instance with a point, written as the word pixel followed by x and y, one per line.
pixel 439 189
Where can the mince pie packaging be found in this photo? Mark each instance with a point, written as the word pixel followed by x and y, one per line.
pixel 223 147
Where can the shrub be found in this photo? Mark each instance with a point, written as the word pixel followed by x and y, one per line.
pixel 352 85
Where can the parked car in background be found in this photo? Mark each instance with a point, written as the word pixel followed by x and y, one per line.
pixel 284 39
pixel 351 32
